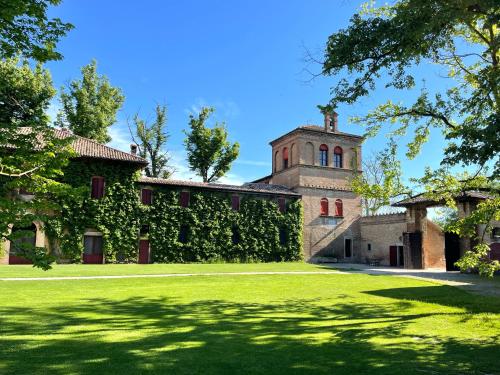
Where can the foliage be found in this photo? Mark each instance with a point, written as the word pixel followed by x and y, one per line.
pixel 209 219
pixel 25 95
pixel 25 29
pixel 152 139
pixel 389 42
pixel 380 181
pixel 209 152
pixel 89 107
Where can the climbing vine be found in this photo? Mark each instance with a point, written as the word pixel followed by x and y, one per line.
pixel 211 229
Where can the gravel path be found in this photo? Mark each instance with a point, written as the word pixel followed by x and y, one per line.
pixel 332 272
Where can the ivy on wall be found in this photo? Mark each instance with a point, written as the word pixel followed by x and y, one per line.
pixel 211 229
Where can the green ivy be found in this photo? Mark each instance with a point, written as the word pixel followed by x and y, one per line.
pixel 209 220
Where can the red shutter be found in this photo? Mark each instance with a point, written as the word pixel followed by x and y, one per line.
pixel 184 198
pixel 97 187
pixel 147 196
pixel 282 204
pixel 235 202
pixel 338 208
pixel 324 207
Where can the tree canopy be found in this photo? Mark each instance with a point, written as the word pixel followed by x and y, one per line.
pixel 90 106
pixel 385 46
pixel 151 140
pixel 25 95
pixel 26 30
pixel 210 154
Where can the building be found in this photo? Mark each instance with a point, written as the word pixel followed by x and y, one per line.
pixel 304 209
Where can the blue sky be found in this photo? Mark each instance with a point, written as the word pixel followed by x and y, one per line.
pixel 246 58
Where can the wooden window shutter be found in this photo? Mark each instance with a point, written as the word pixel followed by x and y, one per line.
pixel 147 196
pixel 184 198
pixel 235 202
pixel 282 204
pixel 97 190
pixel 339 210
pixel 324 207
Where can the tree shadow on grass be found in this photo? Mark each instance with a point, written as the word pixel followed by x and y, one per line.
pixel 165 336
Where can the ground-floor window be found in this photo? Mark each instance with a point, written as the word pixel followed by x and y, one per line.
pixel 93 248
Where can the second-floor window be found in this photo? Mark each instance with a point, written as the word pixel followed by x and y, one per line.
pixel 323 155
pixel 147 196
pixel 282 205
pixel 285 158
pixel 235 202
pixel 324 207
pixel 337 157
pixel 97 187
pixel 184 199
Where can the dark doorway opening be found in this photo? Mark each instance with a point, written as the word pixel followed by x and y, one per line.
pixel 451 250
pixel 348 247
pixel 401 256
pixel 393 256
pixel 143 251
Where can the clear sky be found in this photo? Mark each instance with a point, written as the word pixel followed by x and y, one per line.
pixel 246 58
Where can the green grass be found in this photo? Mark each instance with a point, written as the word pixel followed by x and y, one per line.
pixel 266 324
pixel 152 269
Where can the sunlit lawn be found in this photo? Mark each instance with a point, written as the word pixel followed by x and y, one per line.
pixel 267 324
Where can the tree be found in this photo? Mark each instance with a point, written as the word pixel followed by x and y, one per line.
pixel 210 154
pixel 152 140
pixel 25 95
pixel 390 43
pixel 26 30
pixel 380 181
pixel 90 106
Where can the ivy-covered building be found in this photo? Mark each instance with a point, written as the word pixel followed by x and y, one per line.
pixel 121 216
pixel 304 209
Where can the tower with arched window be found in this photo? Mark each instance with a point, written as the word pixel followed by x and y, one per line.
pixel 317 162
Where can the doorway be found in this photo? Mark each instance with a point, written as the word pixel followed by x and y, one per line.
pixel 401 256
pixel 348 247
pixel 393 256
pixel 451 250
pixel 143 251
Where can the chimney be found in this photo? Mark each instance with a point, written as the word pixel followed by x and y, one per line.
pixel 133 149
pixel 331 122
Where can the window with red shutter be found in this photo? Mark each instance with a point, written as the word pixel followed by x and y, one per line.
pixel 235 202
pixel 285 158
pixel 184 198
pixel 324 207
pixel 282 204
pixel 147 196
pixel 97 190
pixel 338 208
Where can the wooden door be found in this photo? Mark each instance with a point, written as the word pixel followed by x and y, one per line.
pixel 393 256
pixel 143 251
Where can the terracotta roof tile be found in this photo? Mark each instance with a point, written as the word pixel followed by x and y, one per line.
pixel 88 148
pixel 247 188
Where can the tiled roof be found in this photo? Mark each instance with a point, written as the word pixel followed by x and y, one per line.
pixel 247 188
pixel 317 129
pixel 88 148
pixel 423 199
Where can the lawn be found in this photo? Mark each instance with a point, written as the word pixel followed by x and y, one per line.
pixel 268 324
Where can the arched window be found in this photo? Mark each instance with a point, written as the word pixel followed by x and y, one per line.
pixel 285 158
pixel 97 190
pixel 323 155
pixel 276 161
pixel 337 157
pixel 323 207
pixel 339 210
pixel 293 154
